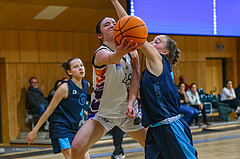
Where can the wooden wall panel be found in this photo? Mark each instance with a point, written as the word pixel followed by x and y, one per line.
pixel 212 41
pixel 191 48
pixel 231 69
pixel 13 93
pixel 235 74
pixel 47 46
pixel 225 52
pixel 64 46
pixel 28 46
pixel 202 49
pixel 88 75
pixel 4 103
pixel 231 47
pixel 180 40
pixel 94 43
pixel 214 76
pixel 238 60
pixel 81 47
pixel 9 45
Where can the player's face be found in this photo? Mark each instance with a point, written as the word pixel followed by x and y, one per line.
pixel 34 83
pixel 77 68
pixel 182 87
pixel 107 26
pixel 229 84
pixel 194 88
pixel 159 42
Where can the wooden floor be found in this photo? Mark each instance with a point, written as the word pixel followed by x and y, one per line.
pixel 210 144
pixel 226 145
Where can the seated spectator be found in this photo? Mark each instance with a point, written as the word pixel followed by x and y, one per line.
pixel 195 102
pixel 190 113
pixel 182 80
pixel 35 100
pixel 237 92
pixel 228 96
pixel 51 93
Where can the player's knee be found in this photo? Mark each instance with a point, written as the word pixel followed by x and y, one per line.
pixel 78 148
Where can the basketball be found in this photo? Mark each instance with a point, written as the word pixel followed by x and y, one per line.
pixel 131 27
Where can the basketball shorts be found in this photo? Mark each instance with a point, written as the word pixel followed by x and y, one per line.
pixel 126 124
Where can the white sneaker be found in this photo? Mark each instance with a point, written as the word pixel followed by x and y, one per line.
pixel 238 109
pixel 121 156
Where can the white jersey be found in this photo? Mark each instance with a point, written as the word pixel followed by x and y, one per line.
pixel 111 85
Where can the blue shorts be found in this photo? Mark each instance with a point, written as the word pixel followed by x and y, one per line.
pixel 170 141
pixel 61 144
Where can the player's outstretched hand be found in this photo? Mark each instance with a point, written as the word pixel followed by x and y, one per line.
pixel 125 47
pixel 31 137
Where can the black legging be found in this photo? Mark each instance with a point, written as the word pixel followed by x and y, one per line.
pixel 203 112
pixel 117 134
pixel 233 103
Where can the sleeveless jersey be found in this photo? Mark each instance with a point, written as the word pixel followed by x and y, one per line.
pixel 111 84
pixel 69 112
pixel 159 95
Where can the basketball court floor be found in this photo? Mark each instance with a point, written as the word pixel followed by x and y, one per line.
pixel 216 142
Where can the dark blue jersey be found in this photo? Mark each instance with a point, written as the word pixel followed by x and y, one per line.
pixel 159 95
pixel 67 115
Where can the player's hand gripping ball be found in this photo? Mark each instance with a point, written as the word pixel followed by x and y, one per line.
pixel 132 28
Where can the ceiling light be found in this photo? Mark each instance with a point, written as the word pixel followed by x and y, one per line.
pixel 50 12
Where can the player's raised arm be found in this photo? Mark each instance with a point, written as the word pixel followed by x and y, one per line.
pixel 153 58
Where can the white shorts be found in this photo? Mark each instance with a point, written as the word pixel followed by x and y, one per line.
pixel 124 123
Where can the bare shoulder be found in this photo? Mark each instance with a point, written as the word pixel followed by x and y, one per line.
pixel 63 90
pixel 101 57
pixel 102 52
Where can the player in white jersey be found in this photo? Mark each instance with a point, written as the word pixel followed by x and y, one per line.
pixel 115 82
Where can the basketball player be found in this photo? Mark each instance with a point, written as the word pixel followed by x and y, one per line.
pixel 168 135
pixel 115 82
pixel 66 108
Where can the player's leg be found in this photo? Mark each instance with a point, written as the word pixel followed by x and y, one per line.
pixel 90 132
pixel 139 136
pixel 67 153
pixel 137 132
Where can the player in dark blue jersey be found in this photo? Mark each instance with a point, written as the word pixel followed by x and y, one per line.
pixel 168 136
pixel 66 109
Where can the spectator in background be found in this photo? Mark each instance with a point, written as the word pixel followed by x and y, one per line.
pixel 182 80
pixel 51 93
pixel 35 101
pixel 195 102
pixel 228 96
pixel 190 113
pixel 237 91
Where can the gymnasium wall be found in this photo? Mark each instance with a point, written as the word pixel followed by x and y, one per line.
pixel 195 50
pixel 40 54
